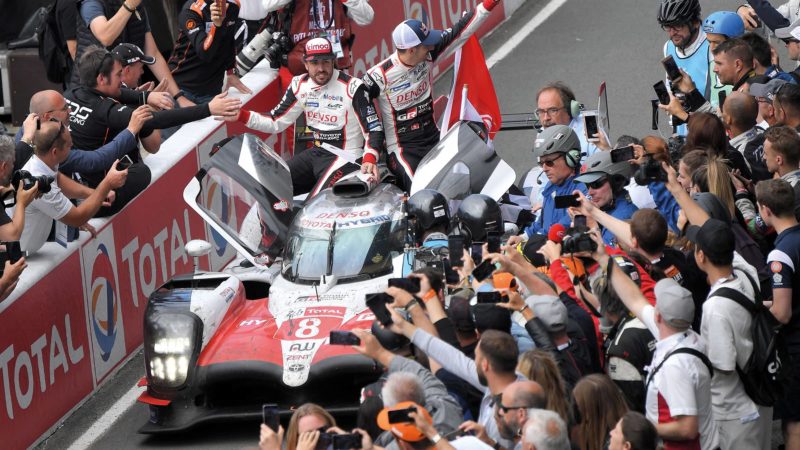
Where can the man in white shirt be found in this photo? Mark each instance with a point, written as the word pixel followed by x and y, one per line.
pixel 679 381
pixel 52 145
pixel 726 327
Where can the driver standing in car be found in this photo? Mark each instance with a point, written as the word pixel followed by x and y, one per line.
pixel 403 86
pixel 338 111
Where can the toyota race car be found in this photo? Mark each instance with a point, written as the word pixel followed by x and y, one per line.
pixel 219 345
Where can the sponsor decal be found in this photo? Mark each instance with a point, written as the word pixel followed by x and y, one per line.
pixel 251 323
pixel 372 118
pixel 312 105
pixel 191 24
pixel 775 266
pixel 296 368
pixel 333 98
pixel 777 278
pixel 317 116
pixel 401 87
pixel 335 106
pixel 305 346
pixel 281 206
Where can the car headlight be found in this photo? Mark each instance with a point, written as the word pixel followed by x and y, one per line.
pixel 171 346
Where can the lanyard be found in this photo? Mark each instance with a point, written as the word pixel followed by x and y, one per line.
pixel 319 18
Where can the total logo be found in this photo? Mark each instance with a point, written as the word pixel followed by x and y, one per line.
pixel 103 303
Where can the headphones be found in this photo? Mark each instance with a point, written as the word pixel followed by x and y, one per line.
pixel 573 158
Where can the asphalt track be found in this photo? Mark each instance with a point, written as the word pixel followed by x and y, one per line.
pixel 583 43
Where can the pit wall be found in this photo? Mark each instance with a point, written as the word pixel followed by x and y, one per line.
pixel 76 314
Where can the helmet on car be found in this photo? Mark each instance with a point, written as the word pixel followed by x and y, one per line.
pixel 480 214
pixel 726 23
pixel 430 209
pixel 673 12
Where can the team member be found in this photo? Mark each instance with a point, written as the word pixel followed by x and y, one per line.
pixel 133 61
pixel 338 110
pixel 776 200
pixel 403 85
pixel 733 63
pixel 687 41
pixel 53 144
pixel 202 54
pixel 720 27
pixel 308 19
pixel 605 183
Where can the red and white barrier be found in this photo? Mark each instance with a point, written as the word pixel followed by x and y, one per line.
pixel 76 315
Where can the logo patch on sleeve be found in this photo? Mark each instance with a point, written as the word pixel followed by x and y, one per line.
pixel 776 266
pixel 190 24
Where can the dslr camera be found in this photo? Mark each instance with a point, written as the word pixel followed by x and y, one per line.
pixel 578 242
pixel 29 180
pixel 274 45
pixel 650 172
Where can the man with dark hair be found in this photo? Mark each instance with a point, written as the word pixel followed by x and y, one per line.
pixel 733 63
pixel 100 109
pixel 762 58
pixel 52 145
pixel 787 106
pixel 776 204
pixel 726 328
pixel 492 370
pixel 782 154
pixel 133 61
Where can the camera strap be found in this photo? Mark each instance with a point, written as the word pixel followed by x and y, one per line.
pixel 319 17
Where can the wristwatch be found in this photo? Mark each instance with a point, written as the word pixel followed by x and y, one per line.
pixel 179 95
pixel 414 302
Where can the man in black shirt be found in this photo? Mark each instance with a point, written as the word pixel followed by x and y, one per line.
pixel 211 34
pixel 66 21
pixel 101 108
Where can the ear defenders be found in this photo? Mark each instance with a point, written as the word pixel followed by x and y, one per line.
pixel 573 158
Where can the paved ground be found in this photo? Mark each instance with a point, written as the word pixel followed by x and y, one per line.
pixel 584 43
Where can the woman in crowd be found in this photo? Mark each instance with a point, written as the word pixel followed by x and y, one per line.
pixel 706 130
pixel 597 407
pixel 306 420
pixel 541 367
pixel 633 432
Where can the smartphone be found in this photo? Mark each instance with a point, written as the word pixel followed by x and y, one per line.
pixel 401 415
pixel 673 73
pixel 450 275
pixel 269 416
pixel 456 246
pixel 579 221
pixel 124 162
pixel 324 441
pixel 346 441
pixel 489 297
pixel 721 96
pixel 566 201
pixel 622 154
pixel 14 251
pixel 590 125
pixel 410 285
pixel 341 337
pixel 483 270
pixel 477 251
pixel 377 304
pixel 493 241
pixel 661 92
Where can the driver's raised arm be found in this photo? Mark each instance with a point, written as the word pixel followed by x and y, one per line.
pixel 370 123
pixel 455 36
pixel 280 118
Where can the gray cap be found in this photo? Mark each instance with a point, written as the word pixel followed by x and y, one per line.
pixel 768 89
pixel 599 165
pixel 551 310
pixel 790 32
pixel 556 139
pixel 674 303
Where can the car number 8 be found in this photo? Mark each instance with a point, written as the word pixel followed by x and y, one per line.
pixel 308 328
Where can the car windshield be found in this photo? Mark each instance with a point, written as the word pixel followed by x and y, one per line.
pixel 346 237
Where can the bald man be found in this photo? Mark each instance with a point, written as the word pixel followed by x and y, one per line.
pixel 50 105
pixel 511 410
pixel 740 115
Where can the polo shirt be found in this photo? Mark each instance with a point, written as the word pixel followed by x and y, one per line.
pixel 39 215
pixel 783 264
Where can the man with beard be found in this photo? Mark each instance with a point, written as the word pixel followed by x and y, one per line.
pixel 338 111
pixel 493 369
pixel 511 409
pixel 687 43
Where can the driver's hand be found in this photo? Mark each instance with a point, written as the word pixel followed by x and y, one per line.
pixel 371 169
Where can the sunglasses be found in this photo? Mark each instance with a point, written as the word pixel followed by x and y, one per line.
pixel 549 162
pixel 498 401
pixel 597 184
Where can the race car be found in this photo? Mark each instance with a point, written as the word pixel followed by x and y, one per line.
pixel 219 345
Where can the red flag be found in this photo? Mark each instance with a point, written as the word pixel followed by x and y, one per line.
pixel 473 81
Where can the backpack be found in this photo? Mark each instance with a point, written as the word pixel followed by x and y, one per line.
pixel 52 51
pixel 769 366
pixel 688 351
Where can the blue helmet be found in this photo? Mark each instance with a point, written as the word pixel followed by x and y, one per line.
pixel 727 23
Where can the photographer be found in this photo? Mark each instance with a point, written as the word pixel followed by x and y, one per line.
pixel 11 229
pixel 202 55
pixel 53 143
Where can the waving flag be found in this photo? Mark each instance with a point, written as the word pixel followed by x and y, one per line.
pixel 472 81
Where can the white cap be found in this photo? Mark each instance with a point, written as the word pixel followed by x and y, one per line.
pixel 412 33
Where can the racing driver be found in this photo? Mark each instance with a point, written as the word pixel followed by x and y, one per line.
pixel 402 84
pixel 338 111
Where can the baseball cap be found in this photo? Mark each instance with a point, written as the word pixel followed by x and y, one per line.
pixel 412 33
pixel 551 310
pixel 715 238
pixel 556 139
pixel 406 431
pixel 600 165
pixel 130 53
pixel 674 303
pixel 318 49
pixel 790 32
pixel 458 312
pixel 487 316
pixel 504 280
pixel 768 89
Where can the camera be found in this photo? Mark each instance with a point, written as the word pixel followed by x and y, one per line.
pixel 29 180
pixel 274 45
pixel 650 172
pixel 579 242
pixel 278 51
pixel 675 146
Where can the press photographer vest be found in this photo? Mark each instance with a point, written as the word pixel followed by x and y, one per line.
pixel 133 33
pixel 307 26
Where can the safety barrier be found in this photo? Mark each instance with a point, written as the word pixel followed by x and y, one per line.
pixel 76 315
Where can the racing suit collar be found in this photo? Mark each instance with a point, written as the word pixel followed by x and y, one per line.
pixel 698 42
